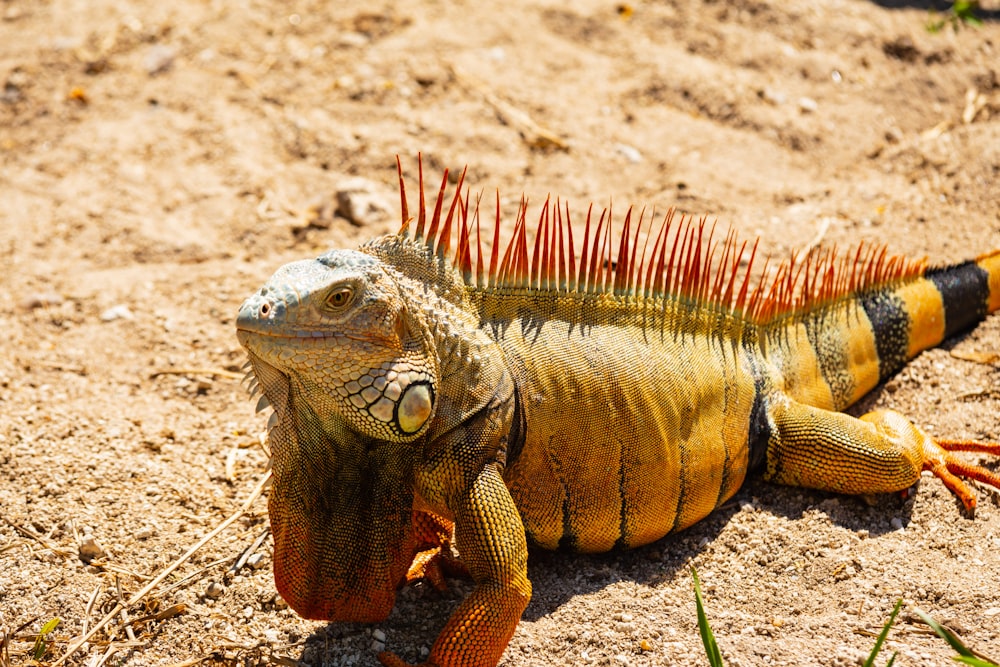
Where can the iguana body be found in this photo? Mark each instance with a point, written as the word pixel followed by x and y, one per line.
pixel 591 404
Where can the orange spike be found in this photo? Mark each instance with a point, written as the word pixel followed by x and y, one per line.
pixel 680 236
pixel 494 252
pixel 404 211
pixel 621 266
pixel 656 265
pixel 463 258
pixel 436 218
pixel 582 283
pixel 563 285
pixel 606 263
pixel 662 266
pixel 444 242
pixel 597 257
pixel 509 254
pixel 550 253
pixel 741 300
pixel 571 282
pixel 635 272
pixel 522 247
pixel 538 256
pixel 479 245
pixel 423 204
pixel 639 288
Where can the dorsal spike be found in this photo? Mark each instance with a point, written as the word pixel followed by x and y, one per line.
pixel 404 211
pixel 436 218
pixel 673 270
pixel 571 252
pixel 444 242
pixel 422 217
pixel 560 240
pixel 621 264
pixel 463 258
pixel 597 256
pixel 506 266
pixel 741 300
pixel 635 280
pixel 538 256
pixel 584 280
pixel 549 259
pixel 479 245
pixel 521 263
pixel 607 264
pixel 494 251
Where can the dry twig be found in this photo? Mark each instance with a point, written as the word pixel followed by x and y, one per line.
pixel 166 571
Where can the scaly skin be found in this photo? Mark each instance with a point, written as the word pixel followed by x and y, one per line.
pixel 525 407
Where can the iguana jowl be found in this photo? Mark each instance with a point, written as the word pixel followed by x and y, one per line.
pixel 586 401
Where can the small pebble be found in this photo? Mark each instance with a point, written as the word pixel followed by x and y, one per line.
pixel 808 105
pixel 90 549
pixel 159 59
pixel 256 561
pixel 630 153
pixel 214 590
pixel 119 312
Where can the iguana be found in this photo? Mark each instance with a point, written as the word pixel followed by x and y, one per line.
pixel 587 399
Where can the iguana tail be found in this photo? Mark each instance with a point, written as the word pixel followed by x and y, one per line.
pixel 831 357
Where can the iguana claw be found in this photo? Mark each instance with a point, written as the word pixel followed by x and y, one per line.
pixel 950 469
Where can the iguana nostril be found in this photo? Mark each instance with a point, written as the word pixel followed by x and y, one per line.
pixel 265 309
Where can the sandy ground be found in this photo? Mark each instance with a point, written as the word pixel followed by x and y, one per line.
pixel 159 160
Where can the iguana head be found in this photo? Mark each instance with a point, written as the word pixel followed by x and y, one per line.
pixel 352 378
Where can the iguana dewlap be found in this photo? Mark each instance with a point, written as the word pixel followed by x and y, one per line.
pixel 571 393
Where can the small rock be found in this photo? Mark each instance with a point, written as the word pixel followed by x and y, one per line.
pixel 896 523
pixel 90 549
pixel 360 201
pixel 40 300
pixel 248 612
pixel 773 96
pixel 808 105
pixel 256 561
pixel 159 59
pixel 378 635
pixel 279 602
pixel 145 533
pixel 214 590
pixel 119 312
pixel 630 153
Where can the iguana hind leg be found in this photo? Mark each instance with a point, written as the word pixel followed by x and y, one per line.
pixel 880 452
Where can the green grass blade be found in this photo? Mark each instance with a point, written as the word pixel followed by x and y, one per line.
pixel 945 634
pixel 40 645
pixel 870 662
pixel 707 638
pixel 974 662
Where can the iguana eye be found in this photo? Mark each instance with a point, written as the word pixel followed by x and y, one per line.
pixel 340 297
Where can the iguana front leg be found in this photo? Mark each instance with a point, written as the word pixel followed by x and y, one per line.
pixel 880 452
pixel 491 541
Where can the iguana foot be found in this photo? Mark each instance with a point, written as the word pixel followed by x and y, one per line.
pixel 950 469
pixel 434 557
